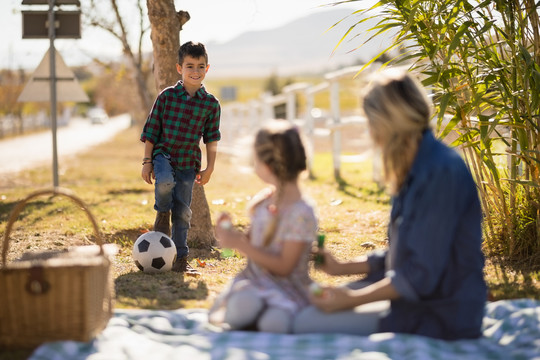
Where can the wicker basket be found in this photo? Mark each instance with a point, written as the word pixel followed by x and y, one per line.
pixel 58 295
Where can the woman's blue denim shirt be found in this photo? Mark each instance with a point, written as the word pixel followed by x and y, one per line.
pixel 435 260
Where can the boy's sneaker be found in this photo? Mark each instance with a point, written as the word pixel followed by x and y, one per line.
pixel 182 265
pixel 163 222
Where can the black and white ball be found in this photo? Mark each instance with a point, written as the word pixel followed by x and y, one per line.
pixel 154 252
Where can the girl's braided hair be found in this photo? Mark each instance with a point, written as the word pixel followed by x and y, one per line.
pixel 279 146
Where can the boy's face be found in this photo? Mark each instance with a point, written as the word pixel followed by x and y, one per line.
pixel 193 70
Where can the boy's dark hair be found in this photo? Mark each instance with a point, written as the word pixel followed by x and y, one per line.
pixel 193 49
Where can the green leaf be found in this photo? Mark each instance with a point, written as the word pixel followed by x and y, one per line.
pixel 457 37
pixel 524 182
pixel 450 126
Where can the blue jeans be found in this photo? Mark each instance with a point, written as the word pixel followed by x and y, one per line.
pixel 173 191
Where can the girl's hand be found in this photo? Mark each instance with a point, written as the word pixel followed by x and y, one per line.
pixel 225 232
pixel 224 221
pixel 332 299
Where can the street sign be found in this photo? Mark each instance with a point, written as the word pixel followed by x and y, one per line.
pixel 36 24
pixel 52 24
pixel 38 87
pixel 56 2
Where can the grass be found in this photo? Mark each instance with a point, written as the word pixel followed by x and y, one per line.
pixel 353 213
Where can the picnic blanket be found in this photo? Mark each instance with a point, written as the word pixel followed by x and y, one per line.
pixel 511 330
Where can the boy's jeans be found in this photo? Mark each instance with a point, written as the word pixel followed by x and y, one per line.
pixel 173 191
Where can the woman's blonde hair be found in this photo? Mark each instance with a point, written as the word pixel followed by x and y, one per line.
pixel 398 111
pixel 279 146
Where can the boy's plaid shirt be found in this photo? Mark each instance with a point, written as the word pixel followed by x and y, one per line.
pixel 177 122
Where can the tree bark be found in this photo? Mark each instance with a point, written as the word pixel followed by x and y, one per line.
pixel 165 24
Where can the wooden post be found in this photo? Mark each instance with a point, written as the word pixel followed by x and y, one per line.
pixel 336 131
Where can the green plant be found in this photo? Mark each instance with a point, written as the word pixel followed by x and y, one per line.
pixel 481 61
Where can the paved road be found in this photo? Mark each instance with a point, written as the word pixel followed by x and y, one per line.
pixel 23 152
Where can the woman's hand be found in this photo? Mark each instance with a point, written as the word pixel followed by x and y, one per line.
pixel 332 299
pixel 332 266
pixel 329 265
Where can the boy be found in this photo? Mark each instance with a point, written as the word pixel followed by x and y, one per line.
pixel 180 116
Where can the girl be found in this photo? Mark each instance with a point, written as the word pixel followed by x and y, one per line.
pixel 274 285
pixel 430 281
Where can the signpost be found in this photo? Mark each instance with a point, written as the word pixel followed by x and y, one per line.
pixel 67 86
pixel 37 25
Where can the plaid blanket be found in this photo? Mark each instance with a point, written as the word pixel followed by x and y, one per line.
pixel 511 330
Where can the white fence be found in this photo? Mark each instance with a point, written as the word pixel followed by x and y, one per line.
pixel 241 120
pixel 11 125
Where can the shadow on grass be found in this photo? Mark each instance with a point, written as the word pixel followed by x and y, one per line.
pixel 163 291
pixel 514 282
pixel 6 208
pixel 128 191
pixel 369 193
pixel 125 237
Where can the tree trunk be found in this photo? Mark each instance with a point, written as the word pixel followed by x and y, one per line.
pixel 165 25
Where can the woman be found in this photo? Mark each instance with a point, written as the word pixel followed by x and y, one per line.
pixel 430 279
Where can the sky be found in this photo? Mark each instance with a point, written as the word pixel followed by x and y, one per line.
pixel 211 20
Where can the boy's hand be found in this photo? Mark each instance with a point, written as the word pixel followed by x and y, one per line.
pixel 147 173
pixel 203 177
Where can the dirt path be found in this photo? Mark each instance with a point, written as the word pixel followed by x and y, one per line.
pixel 23 152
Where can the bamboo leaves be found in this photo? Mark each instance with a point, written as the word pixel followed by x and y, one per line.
pixel 481 62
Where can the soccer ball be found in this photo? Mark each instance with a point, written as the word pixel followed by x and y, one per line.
pixel 154 252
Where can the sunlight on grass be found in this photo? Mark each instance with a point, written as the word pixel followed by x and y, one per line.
pixel 353 213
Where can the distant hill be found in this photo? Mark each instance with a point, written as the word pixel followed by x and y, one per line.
pixel 303 46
